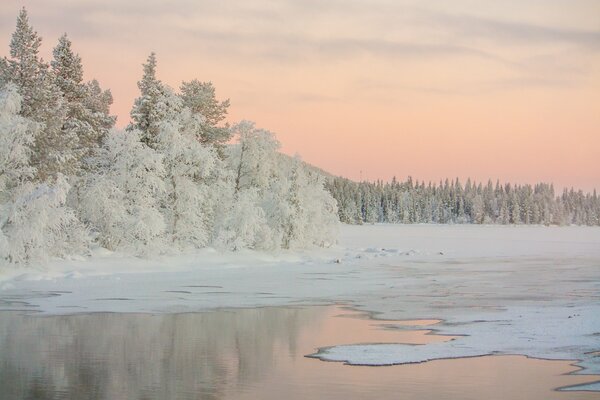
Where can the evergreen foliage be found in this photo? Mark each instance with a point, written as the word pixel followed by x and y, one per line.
pixel 200 98
pixel 170 182
pixel 450 202
pixel 86 104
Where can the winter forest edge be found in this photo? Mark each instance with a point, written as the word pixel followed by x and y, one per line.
pixel 173 180
pixel 170 181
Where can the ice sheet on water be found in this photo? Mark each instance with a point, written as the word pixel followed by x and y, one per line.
pixel 392 354
pixel 545 332
pixel 589 387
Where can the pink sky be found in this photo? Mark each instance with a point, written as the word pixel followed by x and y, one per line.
pixel 369 89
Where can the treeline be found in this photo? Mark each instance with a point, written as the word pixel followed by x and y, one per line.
pixel 451 202
pixel 170 181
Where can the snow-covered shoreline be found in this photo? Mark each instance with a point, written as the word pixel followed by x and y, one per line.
pixel 358 244
pixel 528 290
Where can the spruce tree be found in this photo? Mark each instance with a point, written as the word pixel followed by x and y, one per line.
pixel 87 105
pixel 150 109
pixel 53 150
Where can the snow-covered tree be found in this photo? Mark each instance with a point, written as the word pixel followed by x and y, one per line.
pixel 200 98
pixel 41 101
pixel 152 108
pixel 254 159
pixel 515 208
pixel 449 202
pixel 504 215
pixel 16 137
pixel 243 224
pixel 122 198
pixel 39 223
pixel 291 203
pixel 478 209
pixel 35 222
pixel 189 167
pixel 253 164
pixel 68 73
pixel 312 211
pixel 87 105
pixel 24 67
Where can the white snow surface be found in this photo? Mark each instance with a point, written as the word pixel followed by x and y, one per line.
pixel 530 290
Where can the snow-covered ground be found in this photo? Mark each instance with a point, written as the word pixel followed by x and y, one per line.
pixel 528 290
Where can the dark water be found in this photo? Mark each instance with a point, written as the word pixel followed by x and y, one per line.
pixel 245 354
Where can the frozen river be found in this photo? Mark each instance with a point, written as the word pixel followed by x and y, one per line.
pixel 529 291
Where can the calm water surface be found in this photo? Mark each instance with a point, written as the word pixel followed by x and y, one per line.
pixel 247 354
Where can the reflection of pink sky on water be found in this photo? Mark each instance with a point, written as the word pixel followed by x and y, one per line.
pixel 339 326
pixel 250 354
pixel 491 377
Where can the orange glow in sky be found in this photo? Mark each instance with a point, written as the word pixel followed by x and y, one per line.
pixel 367 89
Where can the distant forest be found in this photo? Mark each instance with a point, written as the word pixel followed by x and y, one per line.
pixel 451 202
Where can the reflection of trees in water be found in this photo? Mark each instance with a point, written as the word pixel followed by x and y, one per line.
pixel 143 356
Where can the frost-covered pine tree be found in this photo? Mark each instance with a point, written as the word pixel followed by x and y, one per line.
pixel 98 101
pixel 24 68
pixel 68 73
pixel 35 222
pixel 515 208
pixel 200 98
pixel 504 214
pixel 449 202
pixel 41 101
pixel 87 105
pixel 152 108
pixel 478 209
